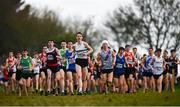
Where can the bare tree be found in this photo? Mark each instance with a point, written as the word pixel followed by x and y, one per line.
pixel 156 23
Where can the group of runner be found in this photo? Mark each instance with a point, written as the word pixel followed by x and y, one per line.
pixel 71 70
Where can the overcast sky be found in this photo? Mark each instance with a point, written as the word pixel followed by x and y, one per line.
pixel 98 9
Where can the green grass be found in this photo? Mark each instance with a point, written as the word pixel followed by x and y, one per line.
pixel 139 99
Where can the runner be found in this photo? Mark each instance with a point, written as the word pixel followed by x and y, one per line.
pixel 82 50
pixel 130 70
pixel 19 73
pixel 107 61
pixel 158 67
pixel 43 70
pixel 5 78
pixel 173 60
pixel 89 76
pixel 137 57
pixel 70 55
pixel 148 80
pixel 36 70
pixel 119 71
pixel 11 66
pixel 166 70
pixel 26 64
pixel 62 68
pixel 53 74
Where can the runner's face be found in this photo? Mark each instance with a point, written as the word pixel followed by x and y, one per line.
pixel 50 43
pixel 158 53
pixel 70 44
pixel 105 46
pixel 36 56
pixel 25 53
pixel 121 51
pixel 10 54
pixel 165 54
pixel 18 55
pixel 151 51
pixel 44 49
pixel 79 37
pixel 63 45
pixel 134 50
pixel 127 49
pixel 173 54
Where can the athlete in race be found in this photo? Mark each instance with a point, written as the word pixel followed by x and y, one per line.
pixel 148 79
pixel 107 62
pixel 173 60
pixel 26 74
pixel 43 70
pixel 137 57
pixel 53 74
pixel 36 71
pixel 62 67
pixel 82 50
pixel 71 69
pixel 158 68
pixel 120 81
pixel 19 73
pixel 166 70
pixel 11 66
pixel 130 69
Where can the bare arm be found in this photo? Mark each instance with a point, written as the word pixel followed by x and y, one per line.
pixel 90 50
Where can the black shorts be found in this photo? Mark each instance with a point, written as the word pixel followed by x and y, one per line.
pixel 129 71
pixel 10 74
pixel 118 74
pixel 18 75
pixel 26 74
pixel 71 70
pixel 157 76
pixel 171 69
pixel 62 67
pixel 53 69
pixel 147 74
pixel 140 76
pixel 5 80
pixel 82 62
pixel 34 74
pixel 106 71
pixel 44 69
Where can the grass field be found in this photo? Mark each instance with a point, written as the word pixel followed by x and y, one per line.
pixel 140 99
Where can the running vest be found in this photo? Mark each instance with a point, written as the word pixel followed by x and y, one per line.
pixel 43 60
pixel 11 67
pixel 70 63
pixel 106 59
pixel 80 50
pixel 130 59
pixel 26 63
pixel 51 57
pixel 120 61
pixel 36 62
pixel 147 65
pixel 172 62
pixel 166 59
pixel 62 52
pixel 158 66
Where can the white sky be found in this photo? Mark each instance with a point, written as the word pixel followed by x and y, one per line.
pixel 98 9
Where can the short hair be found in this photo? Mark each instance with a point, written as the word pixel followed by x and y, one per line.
pixel 158 50
pixel 121 48
pixel 127 46
pixel 134 48
pixel 173 50
pixel 78 33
